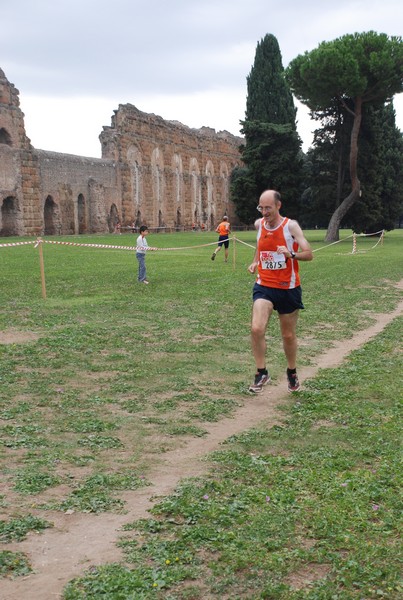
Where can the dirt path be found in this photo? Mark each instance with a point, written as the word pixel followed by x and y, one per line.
pixel 78 541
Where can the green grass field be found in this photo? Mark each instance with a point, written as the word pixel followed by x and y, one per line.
pixel 104 360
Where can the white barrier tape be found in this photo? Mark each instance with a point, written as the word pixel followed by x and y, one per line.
pixel 332 244
pixel 15 244
pixel 316 249
pixel 94 245
pixel 371 234
pixel 244 243
pixel 154 248
pixel 198 246
pixel 122 247
pixel 60 243
pixel 353 235
pixel 380 241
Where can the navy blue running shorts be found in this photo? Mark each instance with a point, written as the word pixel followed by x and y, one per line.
pixel 284 301
pixel 223 240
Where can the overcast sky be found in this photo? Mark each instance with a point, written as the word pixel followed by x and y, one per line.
pixel 75 61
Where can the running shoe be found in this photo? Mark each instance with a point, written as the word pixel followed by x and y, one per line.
pixel 213 256
pixel 293 382
pixel 260 380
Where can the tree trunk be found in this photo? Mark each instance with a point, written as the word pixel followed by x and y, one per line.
pixel 332 234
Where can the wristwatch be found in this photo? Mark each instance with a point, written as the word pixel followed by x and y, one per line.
pixel 292 254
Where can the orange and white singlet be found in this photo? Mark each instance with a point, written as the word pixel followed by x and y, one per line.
pixel 223 228
pixel 274 270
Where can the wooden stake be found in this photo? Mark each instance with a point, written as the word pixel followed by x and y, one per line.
pixel 354 243
pixel 39 243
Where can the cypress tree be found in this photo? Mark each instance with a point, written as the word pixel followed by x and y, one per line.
pixel 269 97
pixel 272 151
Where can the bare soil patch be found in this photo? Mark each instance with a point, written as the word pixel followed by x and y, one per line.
pixel 78 541
pixel 13 336
pixel 304 577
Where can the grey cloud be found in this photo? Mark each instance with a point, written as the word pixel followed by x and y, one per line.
pixel 85 43
pixel 149 46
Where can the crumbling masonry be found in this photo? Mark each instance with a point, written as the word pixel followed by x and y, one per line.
pixel 154 172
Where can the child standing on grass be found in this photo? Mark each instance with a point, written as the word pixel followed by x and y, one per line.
pixel 141 249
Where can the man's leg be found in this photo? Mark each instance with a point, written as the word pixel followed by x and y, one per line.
pixel 288 326
pixel 261 313
pixel 215 251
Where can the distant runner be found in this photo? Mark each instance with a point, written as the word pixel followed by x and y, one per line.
pixel 223 230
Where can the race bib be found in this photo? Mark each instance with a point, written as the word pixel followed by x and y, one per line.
pixel 272 260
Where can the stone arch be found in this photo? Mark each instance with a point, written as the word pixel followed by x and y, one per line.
pixel 224 177
pixel 178 219
pixel 158 185
pixel 9 216
pixel 51 217
pixel 135 161
pixel 81 214
pixel 113 218
pixel 5 137
pixel 195 191
pixel 208 203
pixel 178 185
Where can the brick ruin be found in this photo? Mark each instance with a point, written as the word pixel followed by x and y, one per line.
pixel 154 172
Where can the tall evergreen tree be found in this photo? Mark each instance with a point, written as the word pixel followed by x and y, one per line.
pixel 269 97
pixel 272 151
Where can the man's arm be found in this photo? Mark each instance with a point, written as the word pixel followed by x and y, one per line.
pixel 253 266
pixel 304 251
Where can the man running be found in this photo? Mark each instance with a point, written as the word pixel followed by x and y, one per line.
pixel 281 244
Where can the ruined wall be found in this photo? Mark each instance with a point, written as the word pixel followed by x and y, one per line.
pixel 19 178
pixel 171 175
pixel 83 190
pixel 155 172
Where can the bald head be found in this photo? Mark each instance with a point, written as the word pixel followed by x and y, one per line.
pixel 270 195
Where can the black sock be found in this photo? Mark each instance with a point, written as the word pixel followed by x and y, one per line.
pixel 262 371
pixel 291 371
